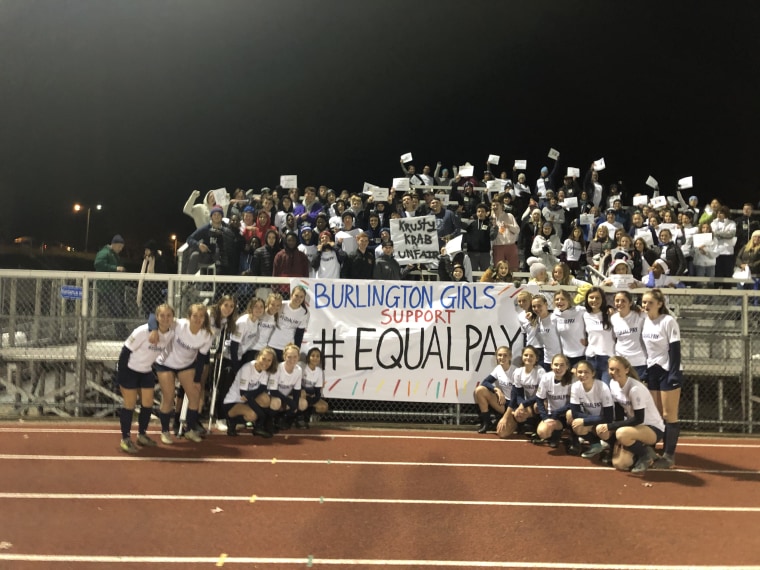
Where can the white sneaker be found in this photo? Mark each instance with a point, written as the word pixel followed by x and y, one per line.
pixel 193 435
pixel 166 438
pixel 221 426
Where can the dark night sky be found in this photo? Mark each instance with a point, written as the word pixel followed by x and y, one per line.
pixel 136 103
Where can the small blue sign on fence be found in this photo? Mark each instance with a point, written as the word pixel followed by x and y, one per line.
pixel 71 292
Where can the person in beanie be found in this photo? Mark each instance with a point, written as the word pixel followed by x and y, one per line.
pixel 386 266
pixel 289 261
pixel 111 293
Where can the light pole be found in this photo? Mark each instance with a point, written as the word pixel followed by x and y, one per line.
pixel 79 208
pixel 173 237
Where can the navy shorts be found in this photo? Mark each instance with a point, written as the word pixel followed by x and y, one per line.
pixel 161 368
pixel 657 379
pixel 658 432
pixel 132 380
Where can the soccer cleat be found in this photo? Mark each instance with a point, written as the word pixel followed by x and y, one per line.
pixel 664 462
pixel 193 435
pixel 301 423
pixel 261 431
pixel 645 461
pixel 536 440
pixel 127 446
pixel 593 450
pixel 146 441
pixel 232 429
pixel 166 438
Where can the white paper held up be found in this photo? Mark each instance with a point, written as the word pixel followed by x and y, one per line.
pixel 599 165
pixel 493 159
pixel 521 164
pixel 685 183
pixel 553 153
pixel 406 157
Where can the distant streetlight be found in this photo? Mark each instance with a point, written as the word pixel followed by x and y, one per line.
pixel 79 208
pixel 173 237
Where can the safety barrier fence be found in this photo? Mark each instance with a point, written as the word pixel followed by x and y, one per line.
pixel 61 334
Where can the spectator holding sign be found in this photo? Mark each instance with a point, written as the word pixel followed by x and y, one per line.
pixel 447 223
pixel 504 242
pixel 724 234
pixel 478 235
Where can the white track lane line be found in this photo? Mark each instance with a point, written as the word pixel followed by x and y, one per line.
pixel 349 500
pixel 123 457
pixel 311 561
pixel 685 441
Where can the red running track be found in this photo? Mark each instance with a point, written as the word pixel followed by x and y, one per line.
pixel 337 498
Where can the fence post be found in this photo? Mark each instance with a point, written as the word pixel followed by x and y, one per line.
pixel 746 388
pixel 81 358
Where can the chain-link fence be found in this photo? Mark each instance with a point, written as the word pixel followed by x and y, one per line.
pixel 61 335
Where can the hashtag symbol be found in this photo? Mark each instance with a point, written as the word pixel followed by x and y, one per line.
pixel 328 348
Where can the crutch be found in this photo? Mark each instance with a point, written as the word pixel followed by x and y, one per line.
pixel 217 374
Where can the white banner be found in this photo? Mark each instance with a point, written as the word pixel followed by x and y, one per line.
pixel 409 341
pixel 415 239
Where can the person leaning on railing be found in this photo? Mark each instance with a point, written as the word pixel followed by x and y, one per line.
pixel 749 257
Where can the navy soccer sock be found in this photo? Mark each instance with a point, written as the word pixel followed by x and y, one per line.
pixel 125 420
pixel 166 420
pixel 143 420
pixel 672 431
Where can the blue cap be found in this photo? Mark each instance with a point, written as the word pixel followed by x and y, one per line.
pixel 544 169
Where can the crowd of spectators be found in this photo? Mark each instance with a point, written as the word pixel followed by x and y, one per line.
pixel 507 221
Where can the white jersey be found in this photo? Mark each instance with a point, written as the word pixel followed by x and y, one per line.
pixel 247 379
pixel 548 338
pixel 657 335
pixel 143 354
pixel 555 394
pixel 312 378
pixel 246 334
pixel 266 328
pixel 217 332
pixel 571 330
pixel 601 342
pixel 285 382
pixel 594 400
pixel 530 332
pixel 288 322
pixel 629 343
pixel 504 379
pixel 528 381
pixel 635 396
pixel 185 346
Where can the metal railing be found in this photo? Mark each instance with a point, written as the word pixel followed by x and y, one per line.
pixel 61 334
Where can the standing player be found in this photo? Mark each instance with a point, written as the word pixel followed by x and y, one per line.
pixel 184 360
pixel 291 322
pixel 135 372
pixel 662 342
pixel 626 325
